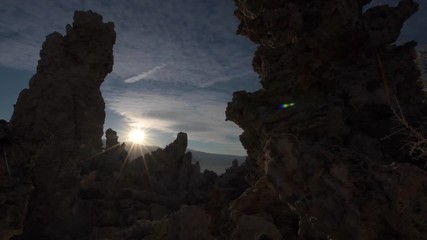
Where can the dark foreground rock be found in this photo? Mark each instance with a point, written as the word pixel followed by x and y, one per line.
pixel 323 161
pixel 321 127
pixel 162 192
pixel 58 123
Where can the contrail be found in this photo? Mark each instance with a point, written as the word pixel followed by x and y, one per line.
pixel 143 75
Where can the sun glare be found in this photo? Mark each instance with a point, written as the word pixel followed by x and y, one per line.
pixel 137 136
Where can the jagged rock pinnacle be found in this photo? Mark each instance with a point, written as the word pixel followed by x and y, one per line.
pixel 59 119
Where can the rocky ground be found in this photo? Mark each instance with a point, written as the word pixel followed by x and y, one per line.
pixel 324 161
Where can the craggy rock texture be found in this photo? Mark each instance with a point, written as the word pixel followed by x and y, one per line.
pixel 58 122
pixel 332 157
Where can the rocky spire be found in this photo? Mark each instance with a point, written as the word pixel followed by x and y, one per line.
pixel 321 125
pixel 63 100
pixel 171 169
pixel 59 119
pixel 112 139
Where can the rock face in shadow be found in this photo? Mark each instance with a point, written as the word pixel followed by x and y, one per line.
pixel 112 139
pixel 14 190
pixel 333 88
pixel 322 162
pixel 171 169
pixel 136 198
pixel 56 180
pixel 166 176
pixel 59 119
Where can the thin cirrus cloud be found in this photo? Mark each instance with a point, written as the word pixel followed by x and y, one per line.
pixel 189 34
pixel 197 38
pixel 196 112
pixel 175 62
pixel 144 75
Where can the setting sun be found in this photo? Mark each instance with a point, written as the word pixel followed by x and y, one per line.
pixel 137 136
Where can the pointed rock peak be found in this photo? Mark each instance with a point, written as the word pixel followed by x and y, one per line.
pixel 181 139
pixel 179 146
pixel 86 18
pixel 112 138
pixel 61 116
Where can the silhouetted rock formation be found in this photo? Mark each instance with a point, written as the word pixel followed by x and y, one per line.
pixel 134 197
pixel 326 155
pixel 171 169
pixel 234 181
pixel 112 139
pixel 81 190
pixel 167 173
pixel 322 163
pixel 59 121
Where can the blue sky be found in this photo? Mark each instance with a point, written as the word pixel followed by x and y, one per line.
pixel 177 63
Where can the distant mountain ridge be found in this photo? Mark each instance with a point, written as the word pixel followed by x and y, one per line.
pixel 215 162
pixel 211 161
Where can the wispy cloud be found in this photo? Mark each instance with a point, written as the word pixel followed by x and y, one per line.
pixel 199 113
pixel 196 39
pixel 143 75
pixel 176 63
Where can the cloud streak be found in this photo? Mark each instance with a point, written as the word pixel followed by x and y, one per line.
pixel 199 113
pixel 196 39
pixel 176 63
pixel 144 75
